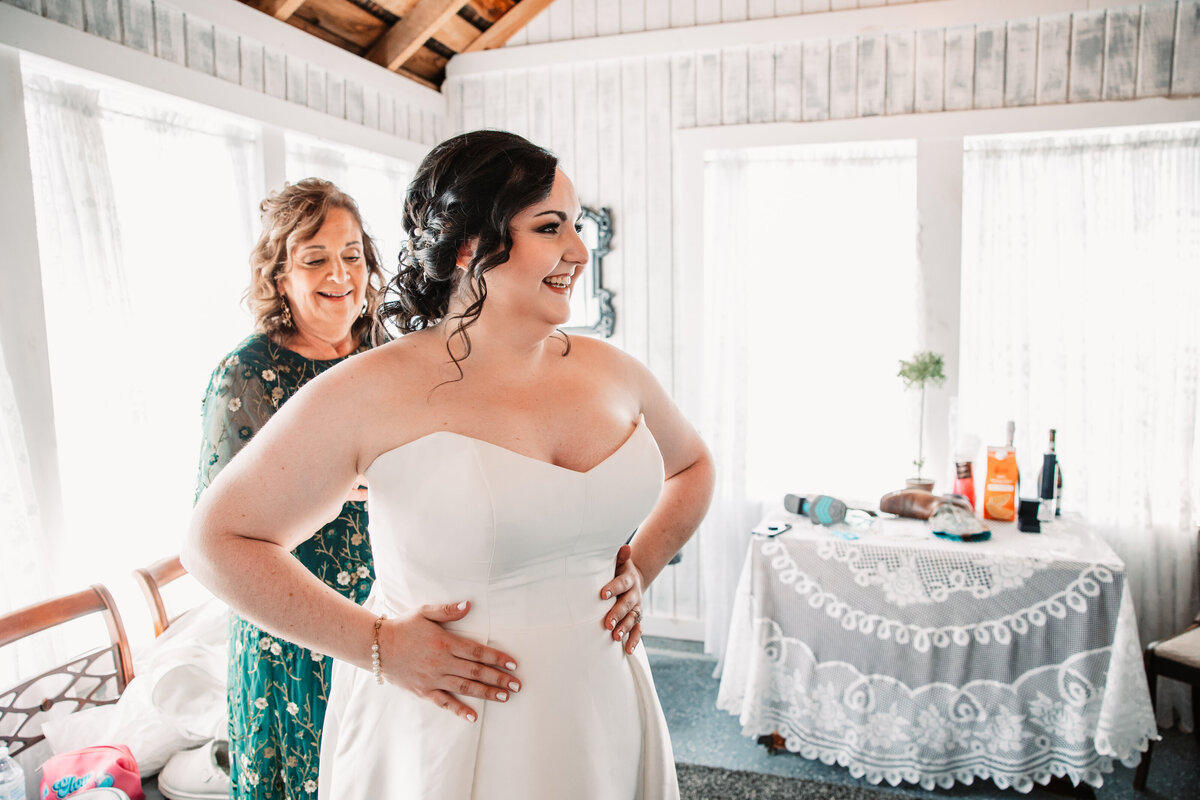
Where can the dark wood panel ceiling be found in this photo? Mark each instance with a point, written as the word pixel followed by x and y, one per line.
pixel 414 38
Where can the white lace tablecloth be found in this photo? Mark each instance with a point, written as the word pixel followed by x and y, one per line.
pixel 910 658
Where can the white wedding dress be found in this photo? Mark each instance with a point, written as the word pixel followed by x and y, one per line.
pixel 530 545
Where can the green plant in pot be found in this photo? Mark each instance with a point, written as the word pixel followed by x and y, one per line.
pixel 924 368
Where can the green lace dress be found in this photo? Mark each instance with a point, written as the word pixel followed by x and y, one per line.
pixel 277 690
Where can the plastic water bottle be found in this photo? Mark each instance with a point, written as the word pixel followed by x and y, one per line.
pixel 12 777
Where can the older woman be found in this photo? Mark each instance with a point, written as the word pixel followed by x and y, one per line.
pixel 314 287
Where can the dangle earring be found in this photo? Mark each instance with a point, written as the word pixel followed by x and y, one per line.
pixel 362 312
pixel 285 316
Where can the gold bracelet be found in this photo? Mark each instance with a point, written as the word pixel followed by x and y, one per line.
pixel 375 667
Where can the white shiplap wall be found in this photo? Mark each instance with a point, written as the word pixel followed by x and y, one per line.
pixel 184 34
pixel 612 119
pixel 584 19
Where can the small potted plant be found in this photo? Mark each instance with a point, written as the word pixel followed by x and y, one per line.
pixel 925 368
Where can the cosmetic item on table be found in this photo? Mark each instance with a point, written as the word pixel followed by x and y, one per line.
pixel 1002 480
pixel 964 481
pixel 1027 515
pixel 964 467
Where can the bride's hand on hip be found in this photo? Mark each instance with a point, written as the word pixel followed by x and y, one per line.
pixel 625 616
pixel 418 654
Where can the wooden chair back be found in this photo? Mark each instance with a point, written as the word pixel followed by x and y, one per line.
pixel 91 679
pixel 152 579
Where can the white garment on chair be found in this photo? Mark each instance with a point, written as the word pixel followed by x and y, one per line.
pixel 176 701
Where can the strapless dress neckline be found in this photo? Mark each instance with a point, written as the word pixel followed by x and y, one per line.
pixel 638 426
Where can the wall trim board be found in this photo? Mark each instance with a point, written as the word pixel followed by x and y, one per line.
pixel 284 37
pixel 42 37
pixel 833 24
pixel 939 125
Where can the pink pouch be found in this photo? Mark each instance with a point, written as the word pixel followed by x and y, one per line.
pixel 92 768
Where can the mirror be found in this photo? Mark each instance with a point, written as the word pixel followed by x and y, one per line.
pixel 592 311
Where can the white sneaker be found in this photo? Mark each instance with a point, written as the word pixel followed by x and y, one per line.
pixel 199 774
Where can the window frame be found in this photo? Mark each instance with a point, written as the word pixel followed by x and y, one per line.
pixel 939 137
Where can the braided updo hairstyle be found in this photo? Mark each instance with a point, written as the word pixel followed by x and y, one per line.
pixel 468 187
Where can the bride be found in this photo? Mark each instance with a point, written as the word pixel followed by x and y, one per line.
pixel 508 463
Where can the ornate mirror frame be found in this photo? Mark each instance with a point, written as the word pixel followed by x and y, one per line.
pixel 606 320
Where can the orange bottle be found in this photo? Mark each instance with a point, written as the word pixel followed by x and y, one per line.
pixel 1003 478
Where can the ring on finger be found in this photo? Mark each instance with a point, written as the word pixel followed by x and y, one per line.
pixel 637 615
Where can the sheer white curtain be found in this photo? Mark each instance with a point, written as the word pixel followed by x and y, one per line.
pixel 146 215
pixel 25 566
pixel 1081 284
pixel 375 181
pixel 810 286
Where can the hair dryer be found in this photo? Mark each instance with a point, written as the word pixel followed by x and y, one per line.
pixel 820 508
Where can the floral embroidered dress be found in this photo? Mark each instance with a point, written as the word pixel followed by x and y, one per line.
pixel 277 690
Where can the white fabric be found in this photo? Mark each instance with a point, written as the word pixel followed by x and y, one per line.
pixel 810 279
pixel 529 544
pixel 145 214
pixel 936 662
pixel 25 567
pixel 177 699
pixel 1080 289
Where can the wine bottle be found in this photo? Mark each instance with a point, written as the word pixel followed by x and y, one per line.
pixel 1057 478
pixel 1048 482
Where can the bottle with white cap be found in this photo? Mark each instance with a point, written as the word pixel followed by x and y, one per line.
pixel 12 777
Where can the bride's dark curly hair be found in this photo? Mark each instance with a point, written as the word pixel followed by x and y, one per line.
pixel 468 187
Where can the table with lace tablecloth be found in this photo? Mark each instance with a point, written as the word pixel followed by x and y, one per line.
pixel 909 658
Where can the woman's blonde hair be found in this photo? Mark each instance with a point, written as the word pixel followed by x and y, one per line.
pixel 290 216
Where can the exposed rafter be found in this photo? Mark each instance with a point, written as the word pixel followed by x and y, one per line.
pixel 509 24
pixel 406 36
pixel 413 38
pixel 280 9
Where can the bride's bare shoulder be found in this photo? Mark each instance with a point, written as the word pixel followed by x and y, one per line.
pixel 388 372
pixel 596 354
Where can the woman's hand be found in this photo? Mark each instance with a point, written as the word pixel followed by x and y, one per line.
pixel 418 654
pixel 625 617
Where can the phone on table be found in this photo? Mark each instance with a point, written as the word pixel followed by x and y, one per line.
pixel 772 529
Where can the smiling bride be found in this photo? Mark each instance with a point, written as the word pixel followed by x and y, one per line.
pixel 497 655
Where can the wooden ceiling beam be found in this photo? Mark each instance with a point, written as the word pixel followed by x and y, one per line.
pixel 457 33
pixel 397 7
pixel 280 9
pixel 518 17
pixel 406 36
pixel 345 19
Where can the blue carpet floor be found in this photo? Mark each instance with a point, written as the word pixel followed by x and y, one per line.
pixel 704 736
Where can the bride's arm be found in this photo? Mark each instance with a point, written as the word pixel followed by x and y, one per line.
pixel 285 484
pixel 681 507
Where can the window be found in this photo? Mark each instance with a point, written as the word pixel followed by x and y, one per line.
pixel 146 215
pixel 1079 295
pixel 814 271
pixel 809 301
pixel 377 183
